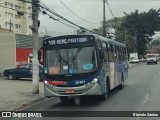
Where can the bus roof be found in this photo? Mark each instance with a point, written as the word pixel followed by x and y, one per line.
pixel 107 40
pixel 103 39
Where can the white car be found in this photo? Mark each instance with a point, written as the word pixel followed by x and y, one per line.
pixel 151 58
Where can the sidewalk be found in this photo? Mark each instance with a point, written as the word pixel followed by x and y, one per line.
pixel 16 94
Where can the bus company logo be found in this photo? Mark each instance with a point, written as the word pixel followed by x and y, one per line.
pixel 6 114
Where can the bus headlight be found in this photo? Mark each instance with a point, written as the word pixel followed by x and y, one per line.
pixel 95 80
pixel 46 82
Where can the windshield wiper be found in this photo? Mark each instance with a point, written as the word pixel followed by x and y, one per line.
pixel 75 56
pixel 61 58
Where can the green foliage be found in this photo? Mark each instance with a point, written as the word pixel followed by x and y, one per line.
pixel 134 29
pixel 156 42
pixel 142 27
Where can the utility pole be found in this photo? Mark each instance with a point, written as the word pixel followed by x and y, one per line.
pixel 104 20
pixel 34 27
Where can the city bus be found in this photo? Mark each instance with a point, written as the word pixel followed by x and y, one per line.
pixel 82 65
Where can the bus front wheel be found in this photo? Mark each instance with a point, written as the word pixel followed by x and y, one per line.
pixel 64 99
pixel 106 94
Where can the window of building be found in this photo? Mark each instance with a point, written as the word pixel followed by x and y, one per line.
pixel 29 17
pixel 7 4
pixel 17 16
pixel 17 26
pixel 29 8
pixel 7 14
pixel 8 24
pixel 12 15
pixel 17 7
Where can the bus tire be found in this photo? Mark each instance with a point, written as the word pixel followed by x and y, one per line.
pixel 106 94
pixel 64 99
pixel 122 82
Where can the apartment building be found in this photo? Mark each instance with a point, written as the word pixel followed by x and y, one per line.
pixel 9 19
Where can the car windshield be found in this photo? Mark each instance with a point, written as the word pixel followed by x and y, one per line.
pixel 150 56
pixel 24 66
pixel 71 61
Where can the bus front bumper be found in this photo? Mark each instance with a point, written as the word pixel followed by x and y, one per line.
pixel 52 91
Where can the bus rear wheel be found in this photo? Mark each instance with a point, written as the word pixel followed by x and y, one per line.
pixel 122 82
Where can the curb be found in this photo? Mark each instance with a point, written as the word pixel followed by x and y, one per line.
pixel 29 104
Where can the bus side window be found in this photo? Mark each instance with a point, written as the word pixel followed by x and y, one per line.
pixel 111 53
pixel 124 54
pixel 118 53
pixel 115 53
pixel 107 51
pixel 99 45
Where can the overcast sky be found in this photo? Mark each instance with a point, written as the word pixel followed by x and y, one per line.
pixel 90 11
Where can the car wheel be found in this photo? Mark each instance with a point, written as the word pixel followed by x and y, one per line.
pixel 16 78
pixel 10 76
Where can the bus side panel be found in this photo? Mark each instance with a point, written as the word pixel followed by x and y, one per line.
pixel 125 70
pixel 116 70
pixel 112 75
pixel 102 82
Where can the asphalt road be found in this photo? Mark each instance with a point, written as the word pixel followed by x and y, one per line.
pixel 141 93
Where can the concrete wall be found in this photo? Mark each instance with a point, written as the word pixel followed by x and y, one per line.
pixel 9 41
pixel 7 50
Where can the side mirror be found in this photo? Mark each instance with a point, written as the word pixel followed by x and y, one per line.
pixel 101 54
pixel 40 56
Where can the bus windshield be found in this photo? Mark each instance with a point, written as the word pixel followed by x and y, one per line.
pixel 71 61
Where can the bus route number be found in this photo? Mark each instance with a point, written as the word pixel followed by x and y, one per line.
pixel 80 82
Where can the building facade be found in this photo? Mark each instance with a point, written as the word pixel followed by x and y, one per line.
pixel 11 20
pixel 15 49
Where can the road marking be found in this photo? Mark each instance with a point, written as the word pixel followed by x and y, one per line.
pixel 143 103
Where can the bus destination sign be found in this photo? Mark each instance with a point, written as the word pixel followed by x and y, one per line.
pixel 68 41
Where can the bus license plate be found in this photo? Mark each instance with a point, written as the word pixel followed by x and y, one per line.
pixel 70 91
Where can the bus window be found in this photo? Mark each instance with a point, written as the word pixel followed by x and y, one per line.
pixel 111 53
pixel 107 49
pixel 104 46
pixel 99 44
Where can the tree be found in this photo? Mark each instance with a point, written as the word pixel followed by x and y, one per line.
pixel 142 27
pixel 156 42
pixel 81 31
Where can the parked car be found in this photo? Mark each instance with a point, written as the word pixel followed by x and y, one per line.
pixel 22 71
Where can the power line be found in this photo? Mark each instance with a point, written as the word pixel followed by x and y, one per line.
pixel 51 17
pixel 59 16
pixel 109 7
pixel 76 14
pixel 86 8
